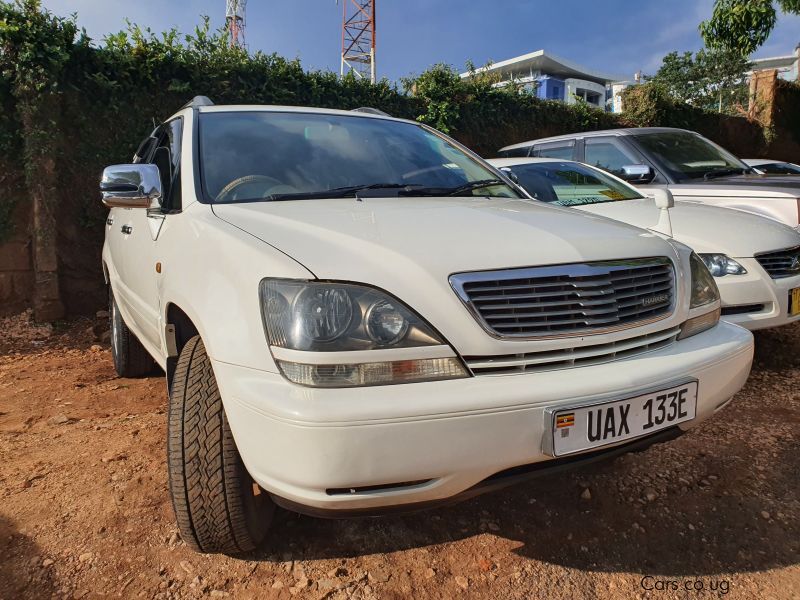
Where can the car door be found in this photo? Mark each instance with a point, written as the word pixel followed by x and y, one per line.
pixel 612 153
pixel 142 229
pixel 609 154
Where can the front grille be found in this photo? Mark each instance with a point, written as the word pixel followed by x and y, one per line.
pixel 781 263
pixel 569 300
pixel 531 362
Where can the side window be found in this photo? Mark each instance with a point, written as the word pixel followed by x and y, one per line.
pixel 514 152
pixel 609 154
pixel 564 150
pixel 167 157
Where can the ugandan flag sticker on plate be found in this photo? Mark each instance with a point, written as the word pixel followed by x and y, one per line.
pixel 564 422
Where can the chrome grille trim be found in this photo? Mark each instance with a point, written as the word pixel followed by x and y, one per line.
pixel 534 362
pixel 569 300
pixel 781 263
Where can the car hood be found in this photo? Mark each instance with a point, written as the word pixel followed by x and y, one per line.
pixel 704 228
pixel 362 240
pixel 410 246
pixel 762 186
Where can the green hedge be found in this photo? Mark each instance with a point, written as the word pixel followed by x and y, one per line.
pixel 787 109
pixel 650 105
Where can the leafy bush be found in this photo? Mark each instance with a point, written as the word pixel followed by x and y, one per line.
pixel 650 105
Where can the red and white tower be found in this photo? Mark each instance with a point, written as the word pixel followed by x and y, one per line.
pixel 235 11
pixel 358 39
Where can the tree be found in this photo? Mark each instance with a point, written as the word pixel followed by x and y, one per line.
pixel 742 26
pixel 710 79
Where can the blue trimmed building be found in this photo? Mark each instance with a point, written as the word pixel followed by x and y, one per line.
pixel 555 78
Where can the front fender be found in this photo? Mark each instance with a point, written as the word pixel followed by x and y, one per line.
pixel 213 275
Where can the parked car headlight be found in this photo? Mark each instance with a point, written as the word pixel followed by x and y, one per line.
pixel 720 265
pixel 704 294
pixel 314 316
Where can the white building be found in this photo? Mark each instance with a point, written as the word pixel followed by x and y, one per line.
pixel 554 78
pixel 788 66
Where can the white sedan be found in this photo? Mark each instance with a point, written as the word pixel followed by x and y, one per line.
pixel 755 260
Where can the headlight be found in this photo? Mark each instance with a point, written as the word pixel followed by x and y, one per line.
pixel 313 316
pixel 704 294
pixel 720 265
pixel 386 323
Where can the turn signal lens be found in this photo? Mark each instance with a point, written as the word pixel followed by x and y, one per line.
pixel 699 324
pixel 704 289
pixel 375 373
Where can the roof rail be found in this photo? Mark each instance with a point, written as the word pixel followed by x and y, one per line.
pixel 371 111
pixel 198 101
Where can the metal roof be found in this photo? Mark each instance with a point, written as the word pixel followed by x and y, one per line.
pixel 601 132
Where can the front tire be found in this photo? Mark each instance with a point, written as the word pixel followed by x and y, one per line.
pixel 217 505
pixel 130 357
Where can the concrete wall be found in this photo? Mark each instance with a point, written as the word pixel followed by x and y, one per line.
pixel 16 265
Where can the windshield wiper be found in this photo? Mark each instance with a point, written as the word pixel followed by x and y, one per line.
pixel 475 185
pixel 406 189
pixel 341 192
pixel 461 189
pixel 723 172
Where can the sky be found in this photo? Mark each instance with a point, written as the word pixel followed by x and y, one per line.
pixel 618 37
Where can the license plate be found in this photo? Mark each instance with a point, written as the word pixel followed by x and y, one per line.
pixel 794 302
pixel 586 427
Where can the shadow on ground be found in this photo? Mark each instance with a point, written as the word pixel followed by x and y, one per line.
pixel 21 571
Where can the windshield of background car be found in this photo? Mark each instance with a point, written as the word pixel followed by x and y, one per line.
pixel 689 156
pixel 779 169
pixel 571 184
pixel 267 155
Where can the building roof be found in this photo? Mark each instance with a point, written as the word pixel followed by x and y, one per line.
pixel 774 62
pixel 550 64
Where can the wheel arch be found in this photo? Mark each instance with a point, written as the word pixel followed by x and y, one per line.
pixel 179 329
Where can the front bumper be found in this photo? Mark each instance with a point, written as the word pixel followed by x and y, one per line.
pixel 764 301
pixel 311 447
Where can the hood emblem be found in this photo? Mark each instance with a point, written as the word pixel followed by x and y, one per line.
pixel 795 266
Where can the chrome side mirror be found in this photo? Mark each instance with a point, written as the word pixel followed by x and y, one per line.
pixel 638 173
pixel 131 186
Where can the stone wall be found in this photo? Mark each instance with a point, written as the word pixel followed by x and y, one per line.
pixel 16 265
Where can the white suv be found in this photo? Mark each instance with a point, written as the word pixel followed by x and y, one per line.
pixel 356 314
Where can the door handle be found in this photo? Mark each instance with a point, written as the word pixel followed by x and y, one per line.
pixel 127 229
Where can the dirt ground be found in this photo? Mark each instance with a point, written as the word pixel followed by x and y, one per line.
pixel 85 513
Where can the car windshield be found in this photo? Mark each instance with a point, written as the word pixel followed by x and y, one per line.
pixel 686 155
pixel 249 156
pixel 779 169
pixel 571 184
